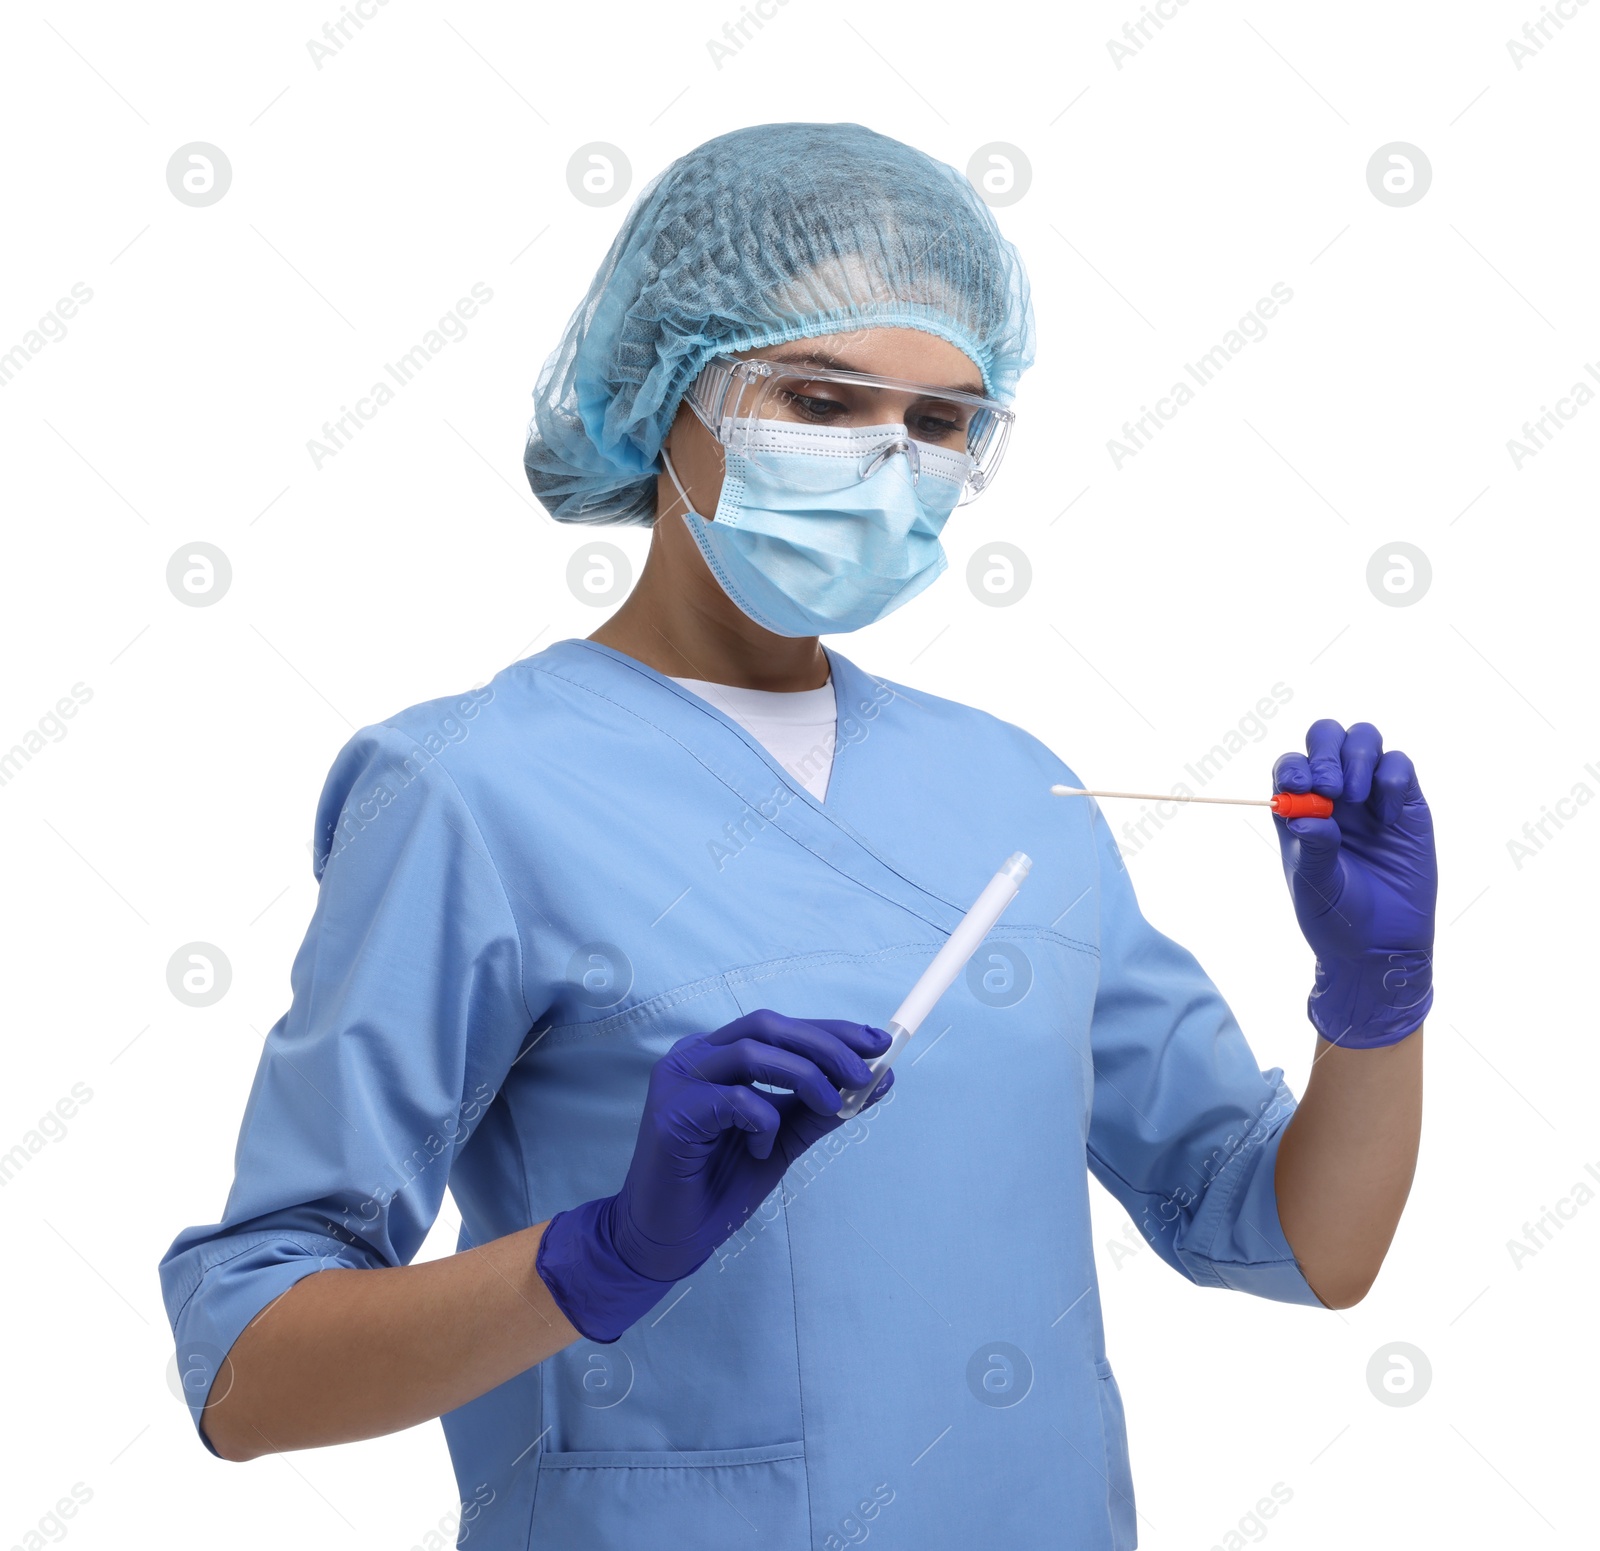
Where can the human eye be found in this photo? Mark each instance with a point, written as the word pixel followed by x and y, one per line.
pixel 940 423
pixel 810 402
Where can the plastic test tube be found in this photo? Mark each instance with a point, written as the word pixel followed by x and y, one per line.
pixel 938 977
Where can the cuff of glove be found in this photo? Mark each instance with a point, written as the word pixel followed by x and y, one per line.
pixel 598 1291
pixel 1375 1001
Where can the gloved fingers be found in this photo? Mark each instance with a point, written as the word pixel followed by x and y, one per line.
pixel 746 1110
pixel 764 1024
pixel 1324 740
pixel 1292 773
pixel 1363 748
pixel 834 1053
pixel 1394 786
pixel 803 1129
pixel 752 1060
pixel 1315 859
pixel 701 1112
pixel 757 1024
pixel 863 1038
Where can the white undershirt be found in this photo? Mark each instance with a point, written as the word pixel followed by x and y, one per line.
pixel 798 728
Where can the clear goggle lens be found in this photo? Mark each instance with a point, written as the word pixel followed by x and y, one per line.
pixel 959 435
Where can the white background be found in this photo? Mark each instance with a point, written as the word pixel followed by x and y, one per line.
pixel 1166 197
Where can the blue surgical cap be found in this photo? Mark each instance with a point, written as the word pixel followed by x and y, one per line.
pixel 767 234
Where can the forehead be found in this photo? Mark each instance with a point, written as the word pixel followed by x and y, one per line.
pixel 909 354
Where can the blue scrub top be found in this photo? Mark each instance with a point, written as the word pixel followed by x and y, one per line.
pixel 529 892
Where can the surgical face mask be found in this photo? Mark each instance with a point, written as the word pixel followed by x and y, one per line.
pixel 802 555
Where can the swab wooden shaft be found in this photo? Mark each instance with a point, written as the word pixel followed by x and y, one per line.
pixel 1287 805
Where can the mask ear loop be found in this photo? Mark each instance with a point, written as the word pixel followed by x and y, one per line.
pixel 672 474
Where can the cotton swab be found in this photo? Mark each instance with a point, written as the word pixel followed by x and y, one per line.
pixel 1287 805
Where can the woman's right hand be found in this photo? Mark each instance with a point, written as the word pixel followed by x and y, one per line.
pixel 710 1149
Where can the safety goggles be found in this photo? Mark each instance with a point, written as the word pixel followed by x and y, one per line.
pixel 742 403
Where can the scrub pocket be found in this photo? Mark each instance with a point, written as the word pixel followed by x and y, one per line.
pixel 708 1499
pixel 1119 1475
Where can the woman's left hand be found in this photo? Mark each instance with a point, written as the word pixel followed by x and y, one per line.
pixel 1364 884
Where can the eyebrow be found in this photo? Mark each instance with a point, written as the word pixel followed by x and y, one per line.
pixel 805 356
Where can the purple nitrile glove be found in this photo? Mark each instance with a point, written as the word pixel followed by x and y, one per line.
pixel 1363 883
pixel 710 1150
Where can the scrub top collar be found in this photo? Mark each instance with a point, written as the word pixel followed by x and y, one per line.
pixel 740 762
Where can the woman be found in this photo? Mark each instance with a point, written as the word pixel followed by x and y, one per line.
pixel 593 945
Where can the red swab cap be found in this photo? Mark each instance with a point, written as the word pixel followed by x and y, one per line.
pixel 1301 805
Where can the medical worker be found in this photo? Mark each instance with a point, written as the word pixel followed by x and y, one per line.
pixel 600 944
